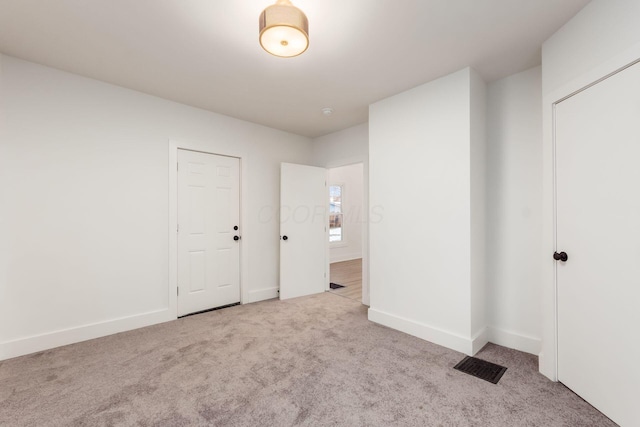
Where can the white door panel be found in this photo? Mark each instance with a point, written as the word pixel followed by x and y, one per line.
pixel 208 211
pixel 598 226
pixel 303 230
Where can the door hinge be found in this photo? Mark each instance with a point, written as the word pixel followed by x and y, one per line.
pixel 178 291
pixel 178 228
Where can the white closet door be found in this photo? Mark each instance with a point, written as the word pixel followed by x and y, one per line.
pixel 208 215
pixel 598 226
pixel 303 230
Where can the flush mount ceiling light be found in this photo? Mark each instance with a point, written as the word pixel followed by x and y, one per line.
pixel 284 30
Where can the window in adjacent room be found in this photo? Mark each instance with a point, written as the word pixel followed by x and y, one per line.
pixel 336 216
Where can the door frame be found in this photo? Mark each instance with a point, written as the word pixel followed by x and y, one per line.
pixel 348 161
pixel 548 357
pixel 218 149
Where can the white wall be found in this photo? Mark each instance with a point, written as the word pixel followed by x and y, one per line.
pixel 343 148
pixel 514 210
pixel 420 243
pixel 350 178
pixel 599 32
pixel 601 38
pixel 478 148
pixel 4 244
pixel 85 203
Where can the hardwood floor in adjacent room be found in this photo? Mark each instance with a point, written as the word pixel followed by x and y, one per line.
pixel 348 274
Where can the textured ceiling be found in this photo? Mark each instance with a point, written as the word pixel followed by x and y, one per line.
pixel 205 53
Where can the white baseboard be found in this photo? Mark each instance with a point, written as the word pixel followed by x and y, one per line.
pixel 479 340
pixel 514 340
pixel 263 294
pixel 59 338
pixel 547 367
pixel 457 342
pixel 345 257
pixel 425 332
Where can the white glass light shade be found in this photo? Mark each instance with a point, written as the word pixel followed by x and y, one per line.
pixel 284 30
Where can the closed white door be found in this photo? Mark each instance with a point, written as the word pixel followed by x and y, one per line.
pixel 598 228
pixel 304 240
pixel 208 223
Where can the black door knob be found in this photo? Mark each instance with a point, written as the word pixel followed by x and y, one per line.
pixel 562 256
pixel 285 238
pixel 235 227
pixel 236 237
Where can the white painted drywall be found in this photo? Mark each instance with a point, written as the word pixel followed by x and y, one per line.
pixel 4 244
pixel 342 148
pixel 350 178
pixel 420 238
pixel 600 31
pixel 85 203
pixel 514 210
pixel 600 39
pixel 478 147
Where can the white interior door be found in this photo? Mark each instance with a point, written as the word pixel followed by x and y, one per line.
pixel 304 240
pixel 598 227
pixel 208 222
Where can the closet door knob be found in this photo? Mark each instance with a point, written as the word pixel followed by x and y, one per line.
pixel 285 238
pixel 562 256
pixel 236 237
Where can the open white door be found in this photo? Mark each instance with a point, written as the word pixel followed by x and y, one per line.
pixel 303 230
pixel 598 244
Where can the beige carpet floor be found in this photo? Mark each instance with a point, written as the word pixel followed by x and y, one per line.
pixel 312 361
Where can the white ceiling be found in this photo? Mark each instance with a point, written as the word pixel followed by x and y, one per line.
pixel 205 53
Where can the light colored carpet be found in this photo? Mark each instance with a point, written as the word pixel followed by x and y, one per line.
pixel 313 361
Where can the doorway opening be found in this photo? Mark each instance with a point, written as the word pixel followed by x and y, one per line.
pixel 347 221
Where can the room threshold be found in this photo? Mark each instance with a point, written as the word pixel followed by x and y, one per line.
pixel 210 309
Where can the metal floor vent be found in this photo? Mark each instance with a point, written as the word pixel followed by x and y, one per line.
pixel 210 309
pixel 481 369
pixel 335 286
